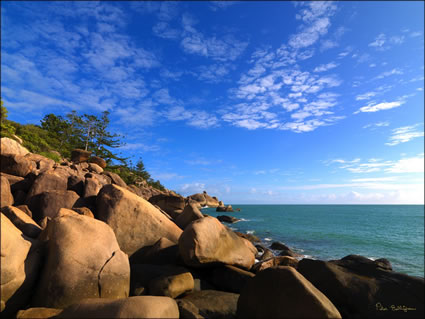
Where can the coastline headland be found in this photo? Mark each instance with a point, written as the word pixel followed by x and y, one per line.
pixel 77 241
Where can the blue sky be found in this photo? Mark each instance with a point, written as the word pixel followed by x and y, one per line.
pixel 254 102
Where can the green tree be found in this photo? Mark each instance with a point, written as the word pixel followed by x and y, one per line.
pixel 7 130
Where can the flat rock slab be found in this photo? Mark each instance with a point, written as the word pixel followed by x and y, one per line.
pixel 131 307
pixel 213 304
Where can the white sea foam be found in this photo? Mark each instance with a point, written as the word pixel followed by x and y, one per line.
pixel 250 231
pixel 244 220
pixel 308 256
pixel 267 239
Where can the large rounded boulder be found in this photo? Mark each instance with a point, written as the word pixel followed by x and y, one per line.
pixel 171 204
pixel 206 241
pixel 20 262
pixel 6 198
pixel 363 288
pixel 16 164
pixel 83 261
pixel 11 146
pixel 283 292
pixel 135 221
pixel 189 214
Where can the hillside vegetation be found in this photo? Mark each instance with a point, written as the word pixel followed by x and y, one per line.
pixel 57 136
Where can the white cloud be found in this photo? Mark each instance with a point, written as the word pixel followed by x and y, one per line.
pixel 374 179
pixel 216 5
pixel 196 118
pixel 325 67
pixel 379 41
pixel 377 124
pixel 389 73
pixel 213 73
pixel 225 48
pixel 191 188
pixel 405 134
pixel 315 16
pixel 397 39
pixel 404 165
pixel 380 106
pixel 415 34
pixel 365 96
pixel 139 146
pixel 408 165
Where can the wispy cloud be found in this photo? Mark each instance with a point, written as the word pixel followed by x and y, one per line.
pixel 405 134
pixel 325 67
pixel 225 48
pixel 376 125
pixel 316 20
pixel 380 106
pixel 395 71
pixel 203 162
pixel 404 165
pixel 140 147
pixel 196 118
pixel 379 41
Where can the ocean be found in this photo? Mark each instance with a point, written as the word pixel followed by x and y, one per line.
pixel 325 232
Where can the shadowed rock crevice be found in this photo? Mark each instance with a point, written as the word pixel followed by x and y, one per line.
pixel 99 285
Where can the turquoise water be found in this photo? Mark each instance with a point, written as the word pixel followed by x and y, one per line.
pixel 395 232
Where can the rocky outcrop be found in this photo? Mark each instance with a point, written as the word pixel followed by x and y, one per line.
pixel 79 156
pixel 154 307
pixel 189 214
pixel 252 238
pixel 172 285
pixel 135 221
pixel 41 163
pixel 20 262
pixel 115 179
pixel 98 160
pixel 93 167
pixel 164 251
pixel 229 278
pixel 6 198
pixel 207 241
pixel 227 208
pixel 14 164
pixel 40 312
pixel 228 219
pixel 283 292
pixel 172 205
pixel 50 202
pixel 22 221
pixel 363 288
pixel 10 146
pixel 199 198
pixel 284 250
pixel 211 303
pixel 144 276
pixel 73 271
pixel 274 262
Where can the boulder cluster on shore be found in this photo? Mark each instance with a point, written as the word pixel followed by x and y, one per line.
pixel 78 242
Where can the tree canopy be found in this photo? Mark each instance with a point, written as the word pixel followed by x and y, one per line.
pixel 87 131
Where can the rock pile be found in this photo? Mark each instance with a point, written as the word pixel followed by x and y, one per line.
pixel 76 241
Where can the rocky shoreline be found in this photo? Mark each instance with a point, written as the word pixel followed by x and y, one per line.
pixel 78 242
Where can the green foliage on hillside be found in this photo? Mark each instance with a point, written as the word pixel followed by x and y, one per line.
pixel 57 136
